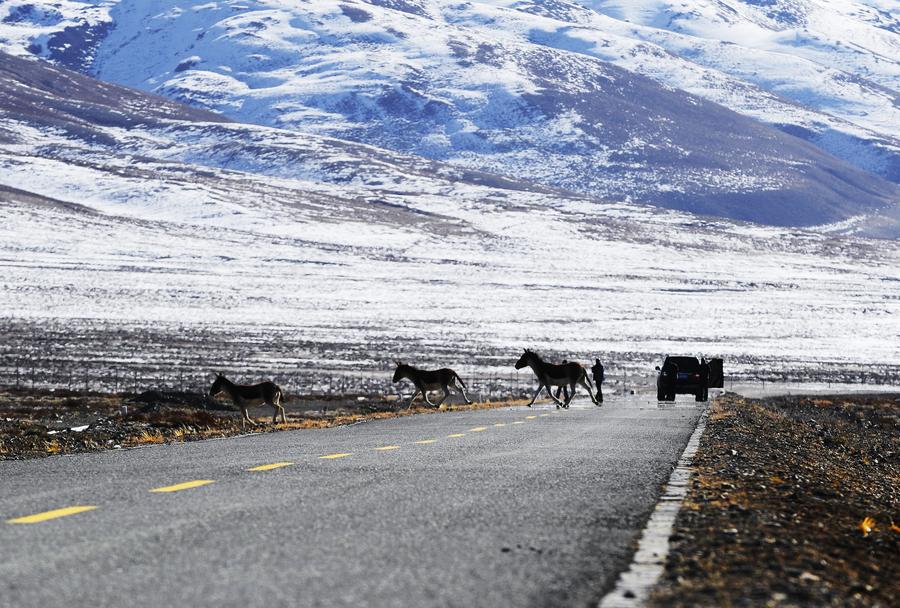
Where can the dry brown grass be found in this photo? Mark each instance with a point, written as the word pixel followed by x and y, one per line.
pixel 34 413
pixel 150 437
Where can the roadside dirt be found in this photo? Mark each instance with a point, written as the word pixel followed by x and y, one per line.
pixel 36 423
pixel 795 502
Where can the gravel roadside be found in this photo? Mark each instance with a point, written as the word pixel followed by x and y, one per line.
pixel 37 423
pixel 795 501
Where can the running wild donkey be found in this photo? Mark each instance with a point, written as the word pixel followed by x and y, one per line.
pixel 430 381
pixel 549 375
pixel 250 395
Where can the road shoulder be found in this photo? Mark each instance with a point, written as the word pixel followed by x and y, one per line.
pixel 793 502
pixel 35 423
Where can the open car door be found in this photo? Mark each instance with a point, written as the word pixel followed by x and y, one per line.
pixel 716 375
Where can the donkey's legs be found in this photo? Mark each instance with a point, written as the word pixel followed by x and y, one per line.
pixel 276 403
pixel 586 383
pixel 277 407
pixel 550 392
pixel 571 396
pixel 413 398
pixel 536 393
pixel 458 386
pixel 427 400
pixel 446 394
pixel 246 417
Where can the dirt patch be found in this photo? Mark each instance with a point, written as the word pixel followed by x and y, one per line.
pixel 35 423
pixel 795 502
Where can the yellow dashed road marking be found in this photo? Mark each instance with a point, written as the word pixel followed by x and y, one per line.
pixel 187 485
pixel 47 515
pixel 425 441
pixel 542 415
pixel 333 456
pixel 385 448
pixel 530 417
pixel 454 435
pixel 269 467
pixel 500 424
pixel 519 422
pixel 478 429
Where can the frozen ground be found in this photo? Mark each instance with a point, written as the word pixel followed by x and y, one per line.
pixel 121 249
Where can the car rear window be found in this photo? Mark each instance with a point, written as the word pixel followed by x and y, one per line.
pixel 685 364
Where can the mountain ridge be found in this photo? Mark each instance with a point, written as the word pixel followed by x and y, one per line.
pixel 358 71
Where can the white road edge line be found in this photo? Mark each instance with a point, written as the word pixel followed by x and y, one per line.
pixel 635 584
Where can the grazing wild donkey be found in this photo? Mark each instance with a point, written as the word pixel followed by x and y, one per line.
pixel 250 395
pixel 430 381
pixel 550 375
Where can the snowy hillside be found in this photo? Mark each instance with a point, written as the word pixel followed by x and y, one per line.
pixel 119 234
pixel 619 100
pixel 827 70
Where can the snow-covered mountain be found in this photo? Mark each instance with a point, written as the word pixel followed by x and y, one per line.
pixel 124 242
pixel 647 101
pixel 826 70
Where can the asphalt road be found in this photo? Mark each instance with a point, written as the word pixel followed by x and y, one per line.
pixel 504 507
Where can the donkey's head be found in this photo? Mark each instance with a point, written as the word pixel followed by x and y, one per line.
pixel 400 372
pixel 218 385
pixel 525 359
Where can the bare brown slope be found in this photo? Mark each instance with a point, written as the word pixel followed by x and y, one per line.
pixel 38 92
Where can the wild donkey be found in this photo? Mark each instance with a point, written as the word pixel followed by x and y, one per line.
pixel 250 395
pixel 550 375
pixel 430 381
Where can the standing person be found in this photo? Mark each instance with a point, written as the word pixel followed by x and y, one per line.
pixel 704 378
pixel 597 371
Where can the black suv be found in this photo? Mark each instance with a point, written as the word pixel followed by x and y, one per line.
pixel 688 376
